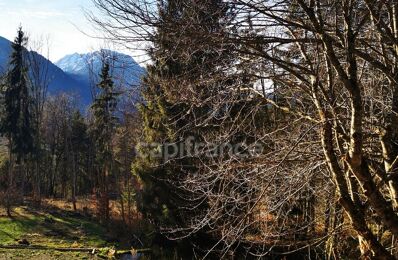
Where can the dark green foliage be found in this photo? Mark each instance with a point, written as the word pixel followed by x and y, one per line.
pixel 156 196
pixel 80 146
pixel 103 129
pixel 16 121
pixel 175 90
pixel 79 134
pixel 189 94
pixel 103 109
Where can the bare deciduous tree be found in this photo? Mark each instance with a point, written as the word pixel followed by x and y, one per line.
pixel 332 71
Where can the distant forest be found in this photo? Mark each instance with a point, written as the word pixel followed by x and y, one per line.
pixel 264 129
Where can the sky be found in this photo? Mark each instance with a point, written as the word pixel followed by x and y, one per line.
pixel 62 22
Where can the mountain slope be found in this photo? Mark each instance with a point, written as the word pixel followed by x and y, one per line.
pixel 5 50
pixel 86 68
pixel 77 73
pixel 59 81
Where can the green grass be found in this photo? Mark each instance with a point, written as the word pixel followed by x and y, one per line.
pixel 51 229
pixel 42 255
pixel 56 229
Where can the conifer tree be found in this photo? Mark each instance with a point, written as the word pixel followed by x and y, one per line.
pixel 79 148
pixel 155 199
pixel 104 124
pixel 165 113
pixel 16 125
pixel 16 118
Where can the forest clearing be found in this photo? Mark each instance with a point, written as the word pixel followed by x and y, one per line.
pixel 55 231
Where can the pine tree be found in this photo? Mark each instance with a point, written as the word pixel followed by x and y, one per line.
pixel 16 125
pixel 16 120
pixel 104 124
pixel 167 112
pixel 183 90
pixel 155 198
pixel 79 147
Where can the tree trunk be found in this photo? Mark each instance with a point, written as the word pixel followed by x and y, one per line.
pixel 353 211
pixel 10 179
pixel 74 183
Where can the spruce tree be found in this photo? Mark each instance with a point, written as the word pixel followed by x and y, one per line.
pixel 79 147
pixel 16 117
pixel 183 90
pixel 104 124
pixel 168 116
pixel 16 123
pixel 155 200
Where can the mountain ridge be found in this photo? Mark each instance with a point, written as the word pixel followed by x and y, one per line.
pixel 76 73
pixel 124 69
pixel 58 80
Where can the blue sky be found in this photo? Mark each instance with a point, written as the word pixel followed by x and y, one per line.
pixel 61 21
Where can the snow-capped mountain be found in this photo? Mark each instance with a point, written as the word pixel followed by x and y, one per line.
pixel 125 71
pixel 78 73
pixel 58 80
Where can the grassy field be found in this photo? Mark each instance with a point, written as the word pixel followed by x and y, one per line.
pixel 50 229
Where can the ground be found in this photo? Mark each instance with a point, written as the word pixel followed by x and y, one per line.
pixel 51 229
pixel 43 255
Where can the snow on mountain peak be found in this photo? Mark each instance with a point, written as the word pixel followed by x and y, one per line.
pixel 76 73
pixel 86 68
pixel 124 69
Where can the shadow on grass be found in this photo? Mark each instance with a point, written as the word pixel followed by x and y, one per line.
pixel 3 233
pixel 51 226
pixel 13 228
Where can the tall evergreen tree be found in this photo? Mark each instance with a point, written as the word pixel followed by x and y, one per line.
pixel 79 147
pixel 155 199
pixel 16 118
pixel 16 123
pixel 104 124
pixel 175 90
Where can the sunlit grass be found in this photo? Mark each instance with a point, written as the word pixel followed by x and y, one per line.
pixel 50 229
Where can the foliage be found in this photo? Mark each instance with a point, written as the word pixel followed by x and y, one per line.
pixel 16 121
pixel 103 130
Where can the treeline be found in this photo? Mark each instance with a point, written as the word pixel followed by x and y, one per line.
pixel 55 148
pixel 313 83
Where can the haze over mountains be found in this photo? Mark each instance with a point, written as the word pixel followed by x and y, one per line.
pixel 77 73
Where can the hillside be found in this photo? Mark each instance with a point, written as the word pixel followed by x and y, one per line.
pixel 80 66
pixel 85 68
pixel 77 73
pixel 59 81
